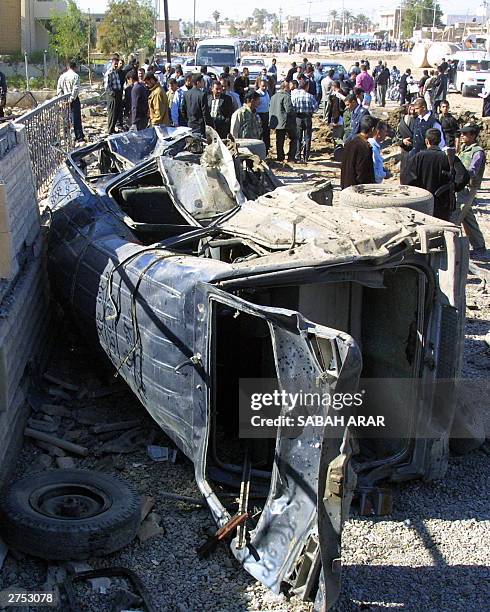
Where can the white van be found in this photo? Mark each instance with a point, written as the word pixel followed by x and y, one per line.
pixel 473 70
pixel 217 53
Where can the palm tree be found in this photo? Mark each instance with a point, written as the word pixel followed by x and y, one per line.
pixel 347 18
pixel 216 17
pixel 362 22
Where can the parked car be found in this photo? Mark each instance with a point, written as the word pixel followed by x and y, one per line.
pixel 471 74
pixel 331 65
pixel 254 65
pixel 191 267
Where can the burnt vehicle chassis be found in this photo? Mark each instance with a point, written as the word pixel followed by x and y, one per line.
pixel 193 267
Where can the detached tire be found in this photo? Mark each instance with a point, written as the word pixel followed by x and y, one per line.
pixel 69 514
pixel 387 196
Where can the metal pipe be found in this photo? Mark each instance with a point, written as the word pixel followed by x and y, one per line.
pixel 27 70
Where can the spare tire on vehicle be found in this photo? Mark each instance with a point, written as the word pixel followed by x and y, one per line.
pixel 387 196
pixel 69 514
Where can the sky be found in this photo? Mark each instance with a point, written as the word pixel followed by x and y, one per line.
pixel 183 9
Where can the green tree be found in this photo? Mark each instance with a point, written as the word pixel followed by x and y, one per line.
pixel 128 25
pixel 233 30
pixel 417 14
pixel 362 22
pixel 68 33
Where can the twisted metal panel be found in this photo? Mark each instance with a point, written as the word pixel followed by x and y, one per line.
pixel 48 135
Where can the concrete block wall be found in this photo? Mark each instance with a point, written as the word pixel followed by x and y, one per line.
pixel 19 213
pixel 24 294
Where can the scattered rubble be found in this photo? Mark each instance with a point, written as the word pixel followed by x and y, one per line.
pixel 65 463
pixel 150 527
pixel 162 453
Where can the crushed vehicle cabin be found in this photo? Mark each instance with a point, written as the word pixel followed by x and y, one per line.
pixel 193 267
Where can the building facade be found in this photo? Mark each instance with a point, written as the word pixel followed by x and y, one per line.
pixel 23 24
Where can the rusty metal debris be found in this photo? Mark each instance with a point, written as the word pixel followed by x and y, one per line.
pixel 375 501
pixel 223 532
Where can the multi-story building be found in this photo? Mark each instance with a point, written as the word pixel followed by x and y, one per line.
pixel 23 24
pixel 389 22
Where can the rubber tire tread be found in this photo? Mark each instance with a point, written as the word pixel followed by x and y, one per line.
pixel 387 196
pixel 27 530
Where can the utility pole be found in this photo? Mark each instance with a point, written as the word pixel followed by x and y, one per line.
pixel 399 25
pixel 434 21
pixel 88 49
pixel 167 30
pixel 194 23
pixel 280 22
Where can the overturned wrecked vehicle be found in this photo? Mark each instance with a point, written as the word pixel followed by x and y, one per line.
pixel 193 267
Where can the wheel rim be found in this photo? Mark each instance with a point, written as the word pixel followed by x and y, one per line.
pixel 70 501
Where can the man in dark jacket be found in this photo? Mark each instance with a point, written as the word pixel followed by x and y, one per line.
pixel 195 109
pixel 357 159
pixel 449 125
pixel 440 88
pixel 424 120
pixel 403 87
pixel 242 84
pixel 357 112
pixel 3 93
pixel 139 102
pixel 382 79
pixel 282 118
pixel 220 109
pixel 429 169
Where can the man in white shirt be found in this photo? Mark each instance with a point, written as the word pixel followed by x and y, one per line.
pixel 69 83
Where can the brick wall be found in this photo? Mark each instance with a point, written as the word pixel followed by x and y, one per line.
pixel 23 289
pixel 10 26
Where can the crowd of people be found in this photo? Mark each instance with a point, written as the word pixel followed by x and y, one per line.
pixel 231 103
pixel 436 154
pixel 300 44
pixel 360 44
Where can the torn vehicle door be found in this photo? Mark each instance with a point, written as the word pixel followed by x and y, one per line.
pixel 296 540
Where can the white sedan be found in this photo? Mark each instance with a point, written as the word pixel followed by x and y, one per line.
pixel 254 65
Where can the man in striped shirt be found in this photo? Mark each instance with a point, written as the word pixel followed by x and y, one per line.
pixel 304 105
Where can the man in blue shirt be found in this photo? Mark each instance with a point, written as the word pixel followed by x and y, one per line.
pixel 263 111
pixel 380 134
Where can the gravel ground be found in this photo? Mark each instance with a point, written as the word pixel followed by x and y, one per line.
pixel 432 553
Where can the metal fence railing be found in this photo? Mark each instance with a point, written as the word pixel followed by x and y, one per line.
pixel 48 134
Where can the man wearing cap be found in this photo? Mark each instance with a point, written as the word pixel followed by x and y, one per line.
pixel 473 157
